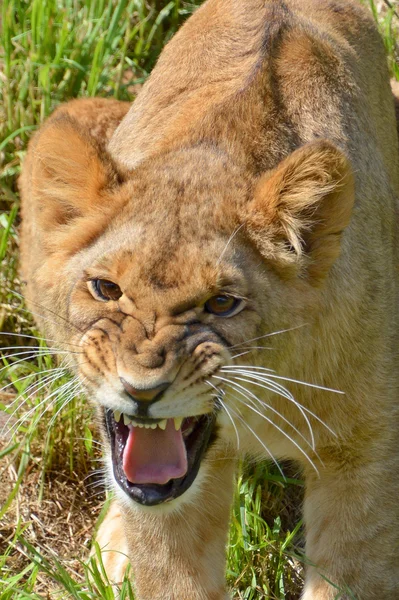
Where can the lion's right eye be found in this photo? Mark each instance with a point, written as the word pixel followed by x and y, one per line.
pixel 105 290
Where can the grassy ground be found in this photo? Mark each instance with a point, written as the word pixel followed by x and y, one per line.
pixel 51 489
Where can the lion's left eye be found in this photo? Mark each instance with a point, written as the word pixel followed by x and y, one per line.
pixel 105 290
pixel 223 306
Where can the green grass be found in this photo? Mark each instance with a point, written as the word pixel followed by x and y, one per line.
pixel 51 51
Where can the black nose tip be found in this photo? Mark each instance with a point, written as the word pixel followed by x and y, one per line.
pixel 144 395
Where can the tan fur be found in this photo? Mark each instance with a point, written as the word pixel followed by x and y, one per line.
pixel 259 159
pixel 112 541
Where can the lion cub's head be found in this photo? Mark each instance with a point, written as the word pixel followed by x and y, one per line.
pixel 164 276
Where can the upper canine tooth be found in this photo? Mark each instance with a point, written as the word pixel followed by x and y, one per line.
pixel 127 420
pixel 178 421
pixel 117 416
pixel 162 424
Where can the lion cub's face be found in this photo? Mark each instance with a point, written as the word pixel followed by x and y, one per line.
pixel 168 275
pixel 165 300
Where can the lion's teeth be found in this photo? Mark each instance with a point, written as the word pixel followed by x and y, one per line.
pixel 178 421
pixel 117 416
pixel 130 421
pixel 144 425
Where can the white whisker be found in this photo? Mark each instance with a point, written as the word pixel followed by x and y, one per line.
pixel 253 348
pixel 228 242
pixel 272 386
pixel 281 391
pixel 35 337
pixel 33 374
pixel 92 441
pixel 223 404
pixel 33 389
pixel 241 354
pixel 70 395
pixel 311 443
pixel 100 493
pixel 239 389
pixel 261 337
pixel 52 312
pixel 97 484
pixel 31 348
pixel 24 417
pixel 95 472
pixel 41 349
pixel 259 440
pixel 16 362
pixel 218 394
pixel 31 355
pixel 272 374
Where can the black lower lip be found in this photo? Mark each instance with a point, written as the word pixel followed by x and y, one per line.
pixel 197 444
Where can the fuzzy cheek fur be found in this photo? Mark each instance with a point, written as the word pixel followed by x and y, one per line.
pixel 258 172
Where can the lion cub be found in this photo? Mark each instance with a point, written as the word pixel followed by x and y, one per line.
pixel 224 264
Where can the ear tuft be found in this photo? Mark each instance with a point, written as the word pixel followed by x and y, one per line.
pixel 301 208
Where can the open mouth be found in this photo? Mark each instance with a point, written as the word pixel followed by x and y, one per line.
pixel 157 460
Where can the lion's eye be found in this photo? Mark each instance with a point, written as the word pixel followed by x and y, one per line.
pixel 106 290
pixel 223 306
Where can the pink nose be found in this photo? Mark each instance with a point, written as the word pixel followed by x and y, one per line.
pixel 148 395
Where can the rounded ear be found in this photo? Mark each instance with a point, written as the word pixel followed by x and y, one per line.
pixel 69 173
pixel 301 208
pixel 70 188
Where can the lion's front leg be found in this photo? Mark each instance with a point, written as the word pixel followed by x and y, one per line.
pixel 180 554
pixel 112 542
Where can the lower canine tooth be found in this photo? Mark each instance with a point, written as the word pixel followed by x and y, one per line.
pixel 178 421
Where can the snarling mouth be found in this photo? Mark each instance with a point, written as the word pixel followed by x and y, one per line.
pixel 154 460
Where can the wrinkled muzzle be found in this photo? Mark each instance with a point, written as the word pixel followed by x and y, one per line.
pixel 159 408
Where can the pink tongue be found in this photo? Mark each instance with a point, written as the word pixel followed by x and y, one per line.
pixel 154 455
